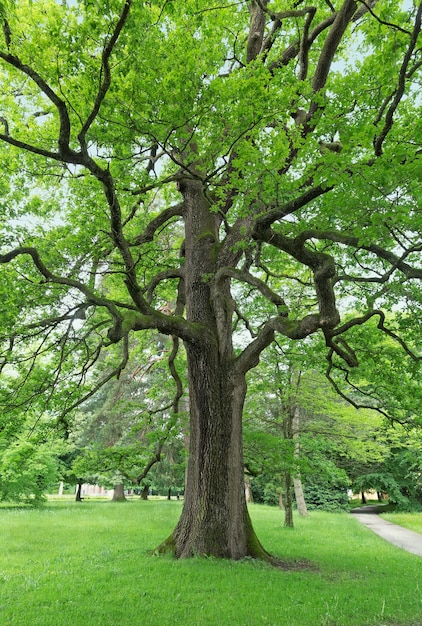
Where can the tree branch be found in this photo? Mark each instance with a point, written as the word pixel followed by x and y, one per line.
pixel 399 93
pixel 254 281
pixel 105 71
pixel 160 277
pixel 30 148
pixel 292 329
pixel 115 373
pixel 256 29
pixel 64 151
pixel 60 280
pixel 157 222
pixel 359 321
pixel 350 400
pixel 367 8
pixel 277 213
pixel 395 261
pixel 334 37
pixel 322 266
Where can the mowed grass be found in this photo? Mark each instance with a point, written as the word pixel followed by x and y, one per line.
pixel 412 521
pixel 89 563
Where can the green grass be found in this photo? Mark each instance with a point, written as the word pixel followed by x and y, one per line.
pixel 86 564
pixel 413 521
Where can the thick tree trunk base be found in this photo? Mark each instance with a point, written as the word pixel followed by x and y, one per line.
pixel 119 494
pixel 255 551
pixel 253 548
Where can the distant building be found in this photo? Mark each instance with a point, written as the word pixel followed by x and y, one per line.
pixel 95 490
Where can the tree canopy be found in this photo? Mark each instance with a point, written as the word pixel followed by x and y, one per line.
pixel 224 173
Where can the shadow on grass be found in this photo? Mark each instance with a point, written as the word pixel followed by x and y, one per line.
pixel 294 565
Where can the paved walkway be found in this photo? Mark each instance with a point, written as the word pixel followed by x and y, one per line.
pixel 402 537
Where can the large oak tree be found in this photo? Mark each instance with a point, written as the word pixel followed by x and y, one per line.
pixel 221 172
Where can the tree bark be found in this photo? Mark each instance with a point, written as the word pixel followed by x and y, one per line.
pixel 78 496
pixel 299 496
pixel 215 520
pixel 280 500
pixel 119 493
pixel 287 426
pixel 248 490
pixel 297 480
pixel 288 501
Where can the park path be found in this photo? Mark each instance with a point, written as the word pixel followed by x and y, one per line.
pixel 401 537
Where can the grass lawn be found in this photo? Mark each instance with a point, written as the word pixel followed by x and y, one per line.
pixel 86 564
pixel 413 521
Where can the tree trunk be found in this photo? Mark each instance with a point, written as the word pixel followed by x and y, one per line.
pixel 215 520
pixel 248 490
pixel 297 481
pixel 299 496
pixel 78 496
pixel 280 500
pixel 287 427
pixel 288 501
pixel 119 493
pixel 145 492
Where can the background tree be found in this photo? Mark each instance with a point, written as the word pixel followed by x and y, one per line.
pixel 397 476
pixel 174 169
pixel 29 444
pixel 168 477
pixel 124 429
pixel 339 446
pixel 277 414
pixel 29 464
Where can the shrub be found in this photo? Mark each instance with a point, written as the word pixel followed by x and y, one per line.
pixel 326 494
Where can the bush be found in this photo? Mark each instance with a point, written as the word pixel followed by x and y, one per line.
pixel 264 490
pixel 27 470
pixel 326 495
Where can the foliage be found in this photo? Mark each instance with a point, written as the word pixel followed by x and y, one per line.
pixel 169 475
pixel 327 493
pixel 29 448
pixel 123 430
pixel 264 491
pixel 334 438
pixel 226 175
pixel 108 118
pixel 28 469
pixel 398 476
